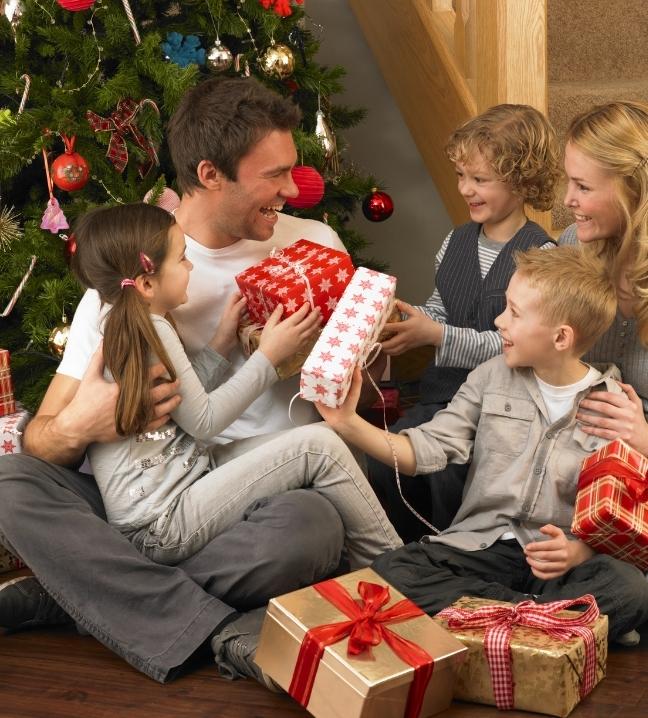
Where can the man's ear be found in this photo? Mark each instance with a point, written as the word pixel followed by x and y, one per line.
pixel 208 175
pixel 564 338
pixel 144 285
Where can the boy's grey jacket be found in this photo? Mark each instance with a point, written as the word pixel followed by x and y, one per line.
pixel 522 466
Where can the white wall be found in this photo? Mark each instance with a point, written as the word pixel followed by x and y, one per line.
pixel 383 147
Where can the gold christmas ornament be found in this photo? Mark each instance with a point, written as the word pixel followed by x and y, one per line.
pixel 58 338
pixel 218 57
pixel 278 61
pixel 324 134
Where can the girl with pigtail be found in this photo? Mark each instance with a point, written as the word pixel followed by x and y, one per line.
pixel 170 491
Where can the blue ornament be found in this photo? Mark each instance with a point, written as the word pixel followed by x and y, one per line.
pixel 183 50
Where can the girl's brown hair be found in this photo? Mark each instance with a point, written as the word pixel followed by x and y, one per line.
pixel 521 146
pixel 109 242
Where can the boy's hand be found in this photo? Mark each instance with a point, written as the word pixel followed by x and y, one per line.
pixel 281 339
pixel 337 418
pixel 225 338
pixel 416 331
pixel 555 556
pixel 622 417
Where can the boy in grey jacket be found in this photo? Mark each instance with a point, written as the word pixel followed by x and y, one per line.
pixel 514 421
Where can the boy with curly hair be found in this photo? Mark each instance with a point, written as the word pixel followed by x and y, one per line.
pixel 505 158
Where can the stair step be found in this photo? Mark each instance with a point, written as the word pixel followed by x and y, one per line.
pixel 568 99
pixel 597 39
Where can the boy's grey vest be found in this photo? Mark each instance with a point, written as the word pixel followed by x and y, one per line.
pixel 471 301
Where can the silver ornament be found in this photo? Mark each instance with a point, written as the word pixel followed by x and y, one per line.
pixel 278 61
pixel 324 134
pixel 218 57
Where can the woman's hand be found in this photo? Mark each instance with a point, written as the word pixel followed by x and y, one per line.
pixel 622 417
pixel 416 331
pixel 338 417
pixel 282 339
pixel 555 556
pixel 225 338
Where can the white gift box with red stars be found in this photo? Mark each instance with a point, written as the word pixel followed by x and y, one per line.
pixel 11 428
pixel 303 272
pixel 348 337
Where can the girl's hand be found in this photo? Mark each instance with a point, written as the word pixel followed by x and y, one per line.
pixel 282 339
pixel 622 417
pixel 225 338
pixel 416 331
pixel 555 556
pixel 337 418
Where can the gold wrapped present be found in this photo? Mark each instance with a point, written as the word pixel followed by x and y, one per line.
pixel 249 335
pixel 546 670
pixel 353 647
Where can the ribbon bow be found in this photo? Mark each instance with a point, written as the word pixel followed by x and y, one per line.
pixel 120 123
pixel 499 621
pixel 621 468
pixel 287 265
pixel 365 629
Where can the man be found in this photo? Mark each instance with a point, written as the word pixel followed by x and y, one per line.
pixel 231 143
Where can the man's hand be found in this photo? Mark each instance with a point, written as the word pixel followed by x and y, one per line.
pixel 555 556
pixel 416 331
pixel 164 395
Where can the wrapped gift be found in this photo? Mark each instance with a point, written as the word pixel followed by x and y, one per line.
pixel 348 338
pixel 303 272
pixel 353 647
pixel 611 510
pixel 9 562
pixel 249 335
pixel 7 401
pixel 528 656
pixel 11 429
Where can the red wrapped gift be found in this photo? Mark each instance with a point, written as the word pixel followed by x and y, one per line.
pixel 303 272
pixel 611 511
pixel 7 401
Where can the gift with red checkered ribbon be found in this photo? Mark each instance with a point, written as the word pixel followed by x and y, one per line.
pixel 7 401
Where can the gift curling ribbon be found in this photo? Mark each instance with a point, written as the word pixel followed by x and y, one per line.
pixel 19 288
pixel 365 628
pixel 499 621
pixel 25 95
pixel 423 520
pixel 636 484
pixel 131 20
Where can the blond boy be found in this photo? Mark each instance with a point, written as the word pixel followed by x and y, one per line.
pixel 514 420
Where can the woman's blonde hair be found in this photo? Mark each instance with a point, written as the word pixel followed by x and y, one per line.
pixel 109 243
pixel 521 146
pixel 615 136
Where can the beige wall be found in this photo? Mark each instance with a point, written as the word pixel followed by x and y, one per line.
pixel 382 146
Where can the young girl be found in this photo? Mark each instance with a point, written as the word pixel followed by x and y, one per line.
pixel 170 491
pixel 505 158
pixel 606 163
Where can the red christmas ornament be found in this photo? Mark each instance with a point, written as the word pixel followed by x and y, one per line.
pixel 378 206
pixel 70 171
pixel 311 187
pixel 75 5
pixel 69 248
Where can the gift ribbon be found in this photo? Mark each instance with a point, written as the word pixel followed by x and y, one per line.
pixel 632 478
pixel 286 265
pixel 245 333
pixel 365 628
pixel 499 621
pixel 120 123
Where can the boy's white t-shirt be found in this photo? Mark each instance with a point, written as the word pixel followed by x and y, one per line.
pixel 211 283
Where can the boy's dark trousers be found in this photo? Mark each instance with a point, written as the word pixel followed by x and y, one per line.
pixel 434 575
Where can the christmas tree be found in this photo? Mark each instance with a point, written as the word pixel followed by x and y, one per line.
pixel 86 89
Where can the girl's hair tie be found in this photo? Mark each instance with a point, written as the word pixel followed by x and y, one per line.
pixel 127 283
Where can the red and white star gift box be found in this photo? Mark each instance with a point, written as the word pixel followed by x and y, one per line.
pixel 7 402
pixel 11 428
pixel 303 272
pixel 348 338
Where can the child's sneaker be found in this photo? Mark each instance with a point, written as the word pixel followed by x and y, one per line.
pixel 235 646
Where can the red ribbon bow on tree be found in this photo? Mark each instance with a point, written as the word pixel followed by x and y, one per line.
pixel 499 621
pixel 365 629
pixel 281 7
pixel 627 469
pixel 120 123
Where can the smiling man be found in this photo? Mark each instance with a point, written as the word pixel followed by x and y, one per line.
pixel 231 142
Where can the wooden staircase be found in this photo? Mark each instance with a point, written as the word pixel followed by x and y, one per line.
pixel 447 60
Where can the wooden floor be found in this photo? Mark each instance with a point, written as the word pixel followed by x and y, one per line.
pixel 57 673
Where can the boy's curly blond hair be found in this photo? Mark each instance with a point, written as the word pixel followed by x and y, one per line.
pixel 521 146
